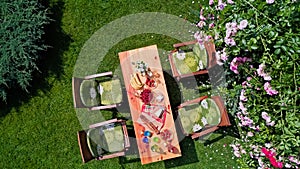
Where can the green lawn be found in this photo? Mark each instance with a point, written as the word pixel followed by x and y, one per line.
pixel 38 129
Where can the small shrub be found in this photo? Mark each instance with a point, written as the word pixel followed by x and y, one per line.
pixel 21 31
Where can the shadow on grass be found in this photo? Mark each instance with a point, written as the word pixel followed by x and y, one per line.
pixel 187 145
pixel 188 152
pixel 132 154
pixel 173 90
pixel 49 64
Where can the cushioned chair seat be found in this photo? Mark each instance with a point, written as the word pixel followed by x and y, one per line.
pixel 111 92
pixel 189 62
pixel 114 139
pixel 105 140
pixel 192 114
pixel 105 93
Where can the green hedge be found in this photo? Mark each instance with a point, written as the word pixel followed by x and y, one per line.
pixel 21 31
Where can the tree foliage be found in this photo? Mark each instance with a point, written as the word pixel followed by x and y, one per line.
pixel 21 31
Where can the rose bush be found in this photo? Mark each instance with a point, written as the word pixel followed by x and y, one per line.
pixel 258 44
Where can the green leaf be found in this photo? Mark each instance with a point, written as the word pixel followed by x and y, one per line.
pixel 244 42
pixel 254 47
pixel 271 34
pixel 277 51
pixel 291 50
pixel 236 51
pixel 280 41
pixel 284 48
pixel 276 46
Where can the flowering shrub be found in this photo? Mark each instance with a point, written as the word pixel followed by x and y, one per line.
pixel 258 44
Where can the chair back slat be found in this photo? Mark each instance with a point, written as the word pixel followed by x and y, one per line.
pixel 76 94
pixel 86 155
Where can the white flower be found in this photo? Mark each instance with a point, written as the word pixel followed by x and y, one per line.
pixel 202 47
pixel 100 89
pixel 233 24
pixel 204 121
pixel 228 32
pixel 204 104
pixel 266 117
pixel 242 96
pixel 243 24
pixel 243 151
pixel 218 57
pixel 237 154
pixel 200 64
pixel 180 55
pixel 201 24
pixel 196 127
pixel 228 25
pixel 287 165
pixel 224 57
pixel 267 77
pixel 260 162
pixel 93 93
pixel 251 154
pixel 230 2
pixel 216 36
pixel 268 145
pixel 271 123
pixel 250 134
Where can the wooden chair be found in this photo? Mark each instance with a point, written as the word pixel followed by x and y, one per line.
pixel 193 112
pixel 103 140
pixel 207 54
pixel 94 94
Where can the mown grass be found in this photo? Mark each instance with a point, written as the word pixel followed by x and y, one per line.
pixel 38 130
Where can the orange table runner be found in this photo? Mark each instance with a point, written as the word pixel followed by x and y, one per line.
pixel 156 116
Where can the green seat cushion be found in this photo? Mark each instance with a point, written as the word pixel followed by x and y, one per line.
pixel 213 115
pixel 114 139
pixel 193 61
pixel 111 92
pixel 201 53
pixel 89 94
pixel 103 140
pixel 192 114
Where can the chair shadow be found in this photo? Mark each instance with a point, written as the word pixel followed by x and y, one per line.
pixel 173 89
pixel 188 153
pixel 132 154
pixel 223 132
pixel 233 129
pixel 49 63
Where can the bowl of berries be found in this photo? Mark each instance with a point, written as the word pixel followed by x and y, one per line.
pixel 145 96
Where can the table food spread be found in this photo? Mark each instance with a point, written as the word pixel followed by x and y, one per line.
pixel 149 105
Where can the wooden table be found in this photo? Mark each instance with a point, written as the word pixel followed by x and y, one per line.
pixel 128 61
